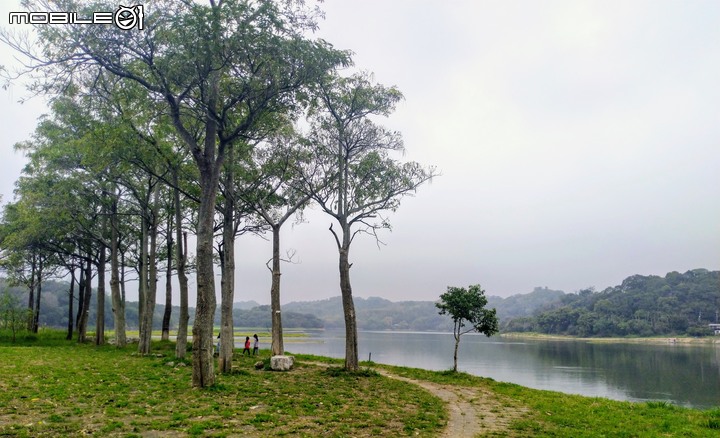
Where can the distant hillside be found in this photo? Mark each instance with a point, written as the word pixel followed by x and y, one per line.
pixel 380 314
pixel 259 316
pixel 246 305
pixel 677 304
pixel 376 314
pixel 523 305
pixel 54 302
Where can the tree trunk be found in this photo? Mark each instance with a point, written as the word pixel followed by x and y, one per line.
pixel 118 304
pixel 152 268
pixel 82 327
pixel 168 284
pixel 122 276
pixel 146 324
pixel 142 270
pixel 351 344
pixel 81 295
pixel 31 294
pixel 457 344
pixel 203 346
pixel 351 347
pixel 38 286
pixel 277 346
pixel 70 304
pixel 209 167
pixel 100 317
pixel 227 283
pixel 142 282
pixel 180 256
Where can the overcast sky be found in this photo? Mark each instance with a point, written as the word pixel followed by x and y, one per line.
pixel 578 141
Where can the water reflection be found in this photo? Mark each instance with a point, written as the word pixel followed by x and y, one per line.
pixel 681 374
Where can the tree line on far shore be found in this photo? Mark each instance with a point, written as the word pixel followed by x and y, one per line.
pixel 677 304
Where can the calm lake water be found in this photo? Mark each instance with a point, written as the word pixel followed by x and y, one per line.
pixel 685 375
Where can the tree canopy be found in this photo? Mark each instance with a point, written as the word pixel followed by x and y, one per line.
pixel 191 124
pixel 677 304
pixel 467 309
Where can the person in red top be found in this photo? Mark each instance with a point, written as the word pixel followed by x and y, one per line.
pixel 247 346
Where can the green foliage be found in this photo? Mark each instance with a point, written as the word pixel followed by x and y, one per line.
pixel 13 316
pixel 678 304
pixel 713 422
pixel 467 306
pixel 342 372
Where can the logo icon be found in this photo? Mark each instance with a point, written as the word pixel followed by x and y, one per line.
pixel 127 17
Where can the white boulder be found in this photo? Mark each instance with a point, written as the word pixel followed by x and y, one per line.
pixel 282 363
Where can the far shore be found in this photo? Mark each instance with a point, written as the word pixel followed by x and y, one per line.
pixel 632 340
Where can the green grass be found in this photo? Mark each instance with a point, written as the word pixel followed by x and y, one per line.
pixel 53 387
pixel 44 337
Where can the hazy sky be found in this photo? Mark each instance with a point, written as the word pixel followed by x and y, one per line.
pixel 578 141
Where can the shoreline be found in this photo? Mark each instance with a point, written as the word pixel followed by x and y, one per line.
pixel 670 340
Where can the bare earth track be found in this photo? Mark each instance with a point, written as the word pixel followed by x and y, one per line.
pixel 473 412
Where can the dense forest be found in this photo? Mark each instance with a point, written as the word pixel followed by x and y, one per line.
pixel 677 304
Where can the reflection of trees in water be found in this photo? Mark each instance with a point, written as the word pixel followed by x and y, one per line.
pixel 687 375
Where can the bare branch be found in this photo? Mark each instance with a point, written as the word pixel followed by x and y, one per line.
pixel 337 240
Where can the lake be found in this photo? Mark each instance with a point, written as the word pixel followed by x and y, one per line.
pixel 685 375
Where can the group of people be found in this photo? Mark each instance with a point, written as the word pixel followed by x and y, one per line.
pixel 256 345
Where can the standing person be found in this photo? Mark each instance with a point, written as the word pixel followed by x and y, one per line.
pixel 247 346
pixel 256 344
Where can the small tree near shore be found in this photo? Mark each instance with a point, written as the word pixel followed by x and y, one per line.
pixel 467 307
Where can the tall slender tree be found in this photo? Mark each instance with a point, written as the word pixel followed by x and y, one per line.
pixel 358 181
pixel 167 313
pixel 118 303
pixel 272 193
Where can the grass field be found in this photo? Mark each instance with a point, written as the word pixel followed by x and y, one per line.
pixel 52 387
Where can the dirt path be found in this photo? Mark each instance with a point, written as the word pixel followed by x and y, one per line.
pixel 472 412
